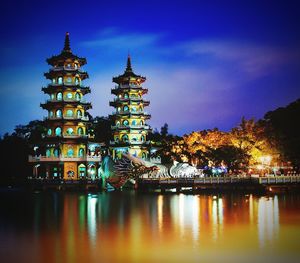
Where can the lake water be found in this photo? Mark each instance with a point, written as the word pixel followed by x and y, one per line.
pixel 139 227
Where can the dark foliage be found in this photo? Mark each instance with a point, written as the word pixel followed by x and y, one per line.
pixel 284 125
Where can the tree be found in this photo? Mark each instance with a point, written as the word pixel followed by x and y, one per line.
pixel 101 129
pixel 284 126
pixel 164 130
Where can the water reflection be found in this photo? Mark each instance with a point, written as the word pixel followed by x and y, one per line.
pixel 92 217
pixel 268 220
pixel 133 227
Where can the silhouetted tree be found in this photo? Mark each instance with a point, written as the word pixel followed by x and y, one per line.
pixel 284 125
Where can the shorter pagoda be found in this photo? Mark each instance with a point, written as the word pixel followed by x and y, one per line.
pixel 129 129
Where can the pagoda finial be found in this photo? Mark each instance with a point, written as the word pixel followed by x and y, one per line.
pixel 128 67
pixel 67 47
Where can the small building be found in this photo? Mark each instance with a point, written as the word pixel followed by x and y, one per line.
pixel 129 129
pixel 67 151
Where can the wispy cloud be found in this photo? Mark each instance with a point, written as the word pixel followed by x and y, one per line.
pixel 253 59
pixel 113 38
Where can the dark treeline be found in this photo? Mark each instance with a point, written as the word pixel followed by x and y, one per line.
pixel 277 132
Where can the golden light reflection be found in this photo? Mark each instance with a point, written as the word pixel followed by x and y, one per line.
pixel 195 218
pixel 164 228
pixel 268 220
pixel 92 218
pixel 160 203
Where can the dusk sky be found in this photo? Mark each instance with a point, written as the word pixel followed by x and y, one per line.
pixel 207 63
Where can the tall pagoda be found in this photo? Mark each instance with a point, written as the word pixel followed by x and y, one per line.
pixel 129 129
pixel 65 150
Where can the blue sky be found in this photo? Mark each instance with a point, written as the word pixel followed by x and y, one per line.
pixel 207 63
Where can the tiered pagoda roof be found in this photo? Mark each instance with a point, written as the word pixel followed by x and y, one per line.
pixel 128 73
pixel 65 54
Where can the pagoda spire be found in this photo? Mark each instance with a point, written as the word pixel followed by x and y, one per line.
pixel 67 47
pixel 128 66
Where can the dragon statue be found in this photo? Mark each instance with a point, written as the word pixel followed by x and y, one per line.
pixel 118 172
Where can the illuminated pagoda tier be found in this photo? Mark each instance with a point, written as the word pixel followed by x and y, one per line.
pixel 67 152
pixel 129 127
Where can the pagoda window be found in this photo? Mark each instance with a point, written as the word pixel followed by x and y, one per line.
pixel 75 66
pixel 142 138
pixel 49 132
pixel 125 108
pixel 70 131
pixel 76 81
pixel 70 152
pixel 56 152
pixel 125 138
pixel 133 109
pixel 69 95
pixel 50 114
pixel 141 123
pixel 79 113
pixel 133 122
pixel 58 113
pixel 69 79
pixel 53 80
pixel 82 170
pixel 60 80
pixel 119 109
pixel 58 131
pixel 126 96
pixel 69 113
pixel 125 122
pixel 80 131
pixel 52 96
pixel 81 152
pixel 68 65
pixel 59 96
pixel 77 96
pixel 144 155
pixel 134 139
pixel 118 123
pixel 48 153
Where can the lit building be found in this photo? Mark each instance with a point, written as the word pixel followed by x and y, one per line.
pixel 66 152
pixel 129 127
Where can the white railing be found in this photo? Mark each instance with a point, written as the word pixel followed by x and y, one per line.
pixel 75 136
pixel 129 98
pixel 66 100
pixel 66 68
pixel 66 84
pixel 146 127
pixel 83 118
pixel 61 158
pixel 130 112
pixel 129 142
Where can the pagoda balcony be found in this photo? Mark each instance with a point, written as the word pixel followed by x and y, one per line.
pixel 121 88
pixel 61 158
pixel 53 73
pixel 55 118
pixel 66 100
pixel 49 103
pixel 66 69
pixel 121 112
pixel 118 101
pixel 133 127
pixel 134 143
pixel 75 136
pixel 67 136
pixel 59 87
pixel 67 84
